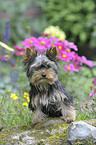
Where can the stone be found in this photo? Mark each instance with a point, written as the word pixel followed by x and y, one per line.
pixel 51 122
pixel 52 131
pixel 81 132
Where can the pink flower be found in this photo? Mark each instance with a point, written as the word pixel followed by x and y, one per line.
pixel 19 53
pixel 92 93
pixel 70 68
pixel 70 45
pixel 65 56
pixel 87 62
pixel 94 81
pixel 45 34
pixel 43 44
pixel 60 46
pixel 19 48
pixel 55 39
pixel 29 42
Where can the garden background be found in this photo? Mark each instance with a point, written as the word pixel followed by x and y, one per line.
pixel 20 20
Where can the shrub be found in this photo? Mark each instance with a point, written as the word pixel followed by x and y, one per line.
pixel 75 18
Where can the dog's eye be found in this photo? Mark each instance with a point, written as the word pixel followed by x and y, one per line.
pixel 43 67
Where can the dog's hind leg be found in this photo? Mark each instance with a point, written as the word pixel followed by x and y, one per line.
pixel 68 112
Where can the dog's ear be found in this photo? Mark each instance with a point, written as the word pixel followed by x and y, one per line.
pixel 29 53
pixel 53 53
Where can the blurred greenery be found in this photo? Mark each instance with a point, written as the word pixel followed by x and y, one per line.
pixel 20 23
pixel 76 18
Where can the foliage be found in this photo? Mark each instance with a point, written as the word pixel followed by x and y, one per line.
pixel 20 23
pixel 75 18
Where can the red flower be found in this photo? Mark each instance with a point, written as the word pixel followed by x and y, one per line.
pixel 86 105
pixel 90 87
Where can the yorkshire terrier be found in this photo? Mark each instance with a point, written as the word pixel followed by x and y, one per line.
pixel 48 97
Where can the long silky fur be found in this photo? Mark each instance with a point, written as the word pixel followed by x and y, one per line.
pixel 49 97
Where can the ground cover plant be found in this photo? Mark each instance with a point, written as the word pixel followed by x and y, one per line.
pixel 76 73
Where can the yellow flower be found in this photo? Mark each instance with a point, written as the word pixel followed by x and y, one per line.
pixel 6 56
pixel 28 99
pixel 55 31
pixel 26 94
pixel 25 104
pixel 8 91
pixel 14 96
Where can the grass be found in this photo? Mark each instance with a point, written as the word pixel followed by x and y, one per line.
pixel 13 112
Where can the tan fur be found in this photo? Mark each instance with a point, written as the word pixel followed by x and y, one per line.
pixel 38 115
pixel 69 113
pixel 50 77
pixel 29 53
pixel 53 52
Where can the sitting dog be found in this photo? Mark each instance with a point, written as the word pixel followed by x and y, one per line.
pixel 48 97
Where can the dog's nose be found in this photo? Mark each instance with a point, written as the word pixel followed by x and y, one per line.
pixel 43 75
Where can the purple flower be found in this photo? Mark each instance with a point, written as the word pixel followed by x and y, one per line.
pixel 13 63
pixel 0 78
pixel 7 32
pixel 5 58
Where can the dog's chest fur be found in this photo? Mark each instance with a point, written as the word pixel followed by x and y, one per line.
pixel 47 96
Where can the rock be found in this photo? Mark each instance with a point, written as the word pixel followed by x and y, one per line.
pixel 81 132
pixel 1 127
pixel 52 131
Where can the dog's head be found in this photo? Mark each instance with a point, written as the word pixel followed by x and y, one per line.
pixel 41 69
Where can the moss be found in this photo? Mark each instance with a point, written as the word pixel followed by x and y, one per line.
pixel 2 142
pixel 50 131
pixel 40 131
pixel 5 133
pixel 83 142
pixel 58 137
